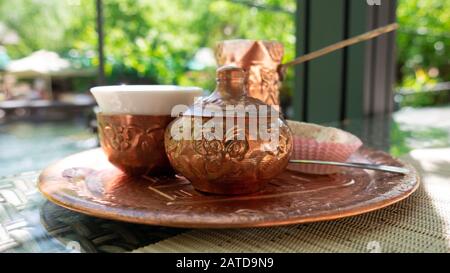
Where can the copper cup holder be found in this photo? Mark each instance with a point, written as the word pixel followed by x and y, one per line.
pixel 135 143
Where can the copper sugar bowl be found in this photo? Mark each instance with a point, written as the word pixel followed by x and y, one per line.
pixel 229 143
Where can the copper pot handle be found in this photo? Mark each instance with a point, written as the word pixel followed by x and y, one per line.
pixel 331 48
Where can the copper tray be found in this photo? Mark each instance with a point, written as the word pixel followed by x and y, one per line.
pixel 88 183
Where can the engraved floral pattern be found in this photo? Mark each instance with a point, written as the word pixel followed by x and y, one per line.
pixel 263 84
pixel 269 85
pixel 134 144
pixel 263 80
pixel 237 149
pixel 123 138
pixel 231 160
pixel 120 138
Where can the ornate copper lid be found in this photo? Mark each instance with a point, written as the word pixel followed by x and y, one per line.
pixel 230 91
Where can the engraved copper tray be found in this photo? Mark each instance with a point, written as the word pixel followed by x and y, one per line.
pixel 86 182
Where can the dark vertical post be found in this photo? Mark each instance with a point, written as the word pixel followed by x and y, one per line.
pixel 326 26
pixel 101 59
pixel 381 75
pixel 370 58
pixel 345 62
pixel 301 48
pixel 356 60
pixel 392 58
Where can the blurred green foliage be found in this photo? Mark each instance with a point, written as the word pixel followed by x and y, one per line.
pixel 425 98
pixel 153 41
pixel 423 44
pixel 146 41
pixel 404 139
pixel 40 24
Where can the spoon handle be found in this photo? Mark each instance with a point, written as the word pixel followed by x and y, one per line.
pixel 385 168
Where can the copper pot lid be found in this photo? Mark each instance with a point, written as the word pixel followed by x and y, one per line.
pixel 230 98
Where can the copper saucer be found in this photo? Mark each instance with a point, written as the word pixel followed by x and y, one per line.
pixel 86 182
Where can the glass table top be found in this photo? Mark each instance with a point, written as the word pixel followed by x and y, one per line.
pixel 29 223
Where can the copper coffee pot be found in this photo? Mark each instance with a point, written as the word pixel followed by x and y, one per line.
pixel 262 61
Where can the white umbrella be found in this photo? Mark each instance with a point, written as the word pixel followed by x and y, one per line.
pixel 39 63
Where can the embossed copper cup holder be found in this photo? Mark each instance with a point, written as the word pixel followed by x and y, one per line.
pixel 135 143
pixel 132 121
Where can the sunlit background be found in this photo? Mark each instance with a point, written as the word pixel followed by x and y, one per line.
pixel 49 52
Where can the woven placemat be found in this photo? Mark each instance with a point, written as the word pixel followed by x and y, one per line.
pixel 29 223
pixel 421 223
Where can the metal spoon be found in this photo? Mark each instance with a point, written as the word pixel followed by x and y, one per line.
pixel 384 168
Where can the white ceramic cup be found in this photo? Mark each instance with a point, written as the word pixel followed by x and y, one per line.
pixel 131 124
pixel 143 99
